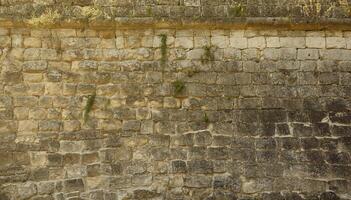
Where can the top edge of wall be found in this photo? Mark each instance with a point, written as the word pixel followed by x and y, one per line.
pixel 108 14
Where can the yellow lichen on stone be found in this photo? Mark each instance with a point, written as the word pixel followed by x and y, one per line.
pixel 91 12
pixel 47 18
pixel 345 6
pixel 311 8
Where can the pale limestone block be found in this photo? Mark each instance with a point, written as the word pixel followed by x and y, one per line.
pixel 307 54
pixel 202 33
pixel 268 32
pixel 93 183
pixel 192 2
pixel 49 54
pixel 119 42
pixel 297 42
pixel 71 146
pixel 4 31
pixel 132 41
pixel 46 187
pixel 257 42
pixel 288 53
pixel 27 126
pixel 62 66
pixel 231 53
pixel 38 158
pixel 107 43
pixel 184 33
pixel 109 125
pixel 184 42
pixel 201 41
pixel 272 42
pixel 220 41
pixel 65 32
pixel 238 42
pixel 36 89
pixel 219 32
pixel 17 41
pixel 53 89
pixel 237 33
pixel 170 102
pixel 195 54
pixel 292 33
pixel 69 88
pixel 251 33
pixel 147 41
pixel 315 34
pixel 71 125
pixel 315 42
pixel 87 33
pixel 16 53
pixel 348 42
pixel 35 66
pixel 333 33
pixel 21 113
pixel 40 33
pixel 30 42
pixel 147 127
pixel 336 54
pixel 31 54
pixel 37 113
pixel 271 53
pixel 5 41
pixel 32 77
pixel 335 42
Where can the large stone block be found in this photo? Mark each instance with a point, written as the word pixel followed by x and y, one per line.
pixel 198 181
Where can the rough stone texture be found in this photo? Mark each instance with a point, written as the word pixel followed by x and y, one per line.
pixel 141 12
pixel 255 114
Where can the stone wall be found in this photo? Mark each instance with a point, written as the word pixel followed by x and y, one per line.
pixel 174 114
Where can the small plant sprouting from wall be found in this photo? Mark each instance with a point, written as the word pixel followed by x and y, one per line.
pixel 236 10
pixel 88 107
pixel 208 55
pixel 178 86
pixel 163 49
pixel 48 18
pixel 149 11
pixel 206 119
pixel 191 72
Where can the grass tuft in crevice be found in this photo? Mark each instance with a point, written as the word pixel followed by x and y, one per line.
pixel 163 49
pixel 208 55
pixel 178 86
pixel 88 107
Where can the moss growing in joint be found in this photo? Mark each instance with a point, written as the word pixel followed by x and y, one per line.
pixel 208 55
pixel 178 86
pixel 88 107
pixel 163 49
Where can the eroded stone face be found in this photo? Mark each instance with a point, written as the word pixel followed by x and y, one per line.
pixel 174 114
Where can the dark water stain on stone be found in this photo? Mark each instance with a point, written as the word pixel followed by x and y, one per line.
pixel 329 196
pixel 336 105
